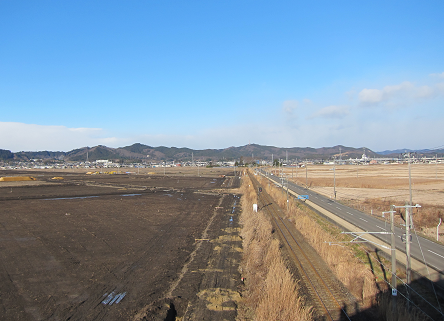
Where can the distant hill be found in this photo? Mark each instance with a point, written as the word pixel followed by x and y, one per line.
pixel 6 154
pixel 420 152
pixel 143 152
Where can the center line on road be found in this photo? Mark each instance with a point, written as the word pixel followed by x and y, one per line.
pixel 363 219
pixel 349 213
pixel 380 227
pixel 436 253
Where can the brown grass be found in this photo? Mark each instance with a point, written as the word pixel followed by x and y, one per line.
pixel 403 313
pixel 347 268
pixel 372 189
pixel 342 260
pixel 424 217
pixel 270 291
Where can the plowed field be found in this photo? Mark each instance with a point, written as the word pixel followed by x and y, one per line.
pixel 109 247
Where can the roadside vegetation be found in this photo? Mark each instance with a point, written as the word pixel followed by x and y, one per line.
pixel 363 272
pixel 270 292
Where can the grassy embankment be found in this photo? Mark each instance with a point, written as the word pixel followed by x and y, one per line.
pixel 357 268
pixel 270 291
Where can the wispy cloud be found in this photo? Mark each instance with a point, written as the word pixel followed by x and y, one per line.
pixel 331 112
pixel 438 75
pixel 21 137
pixel 374 96
pixel 400 93
pixel 288 107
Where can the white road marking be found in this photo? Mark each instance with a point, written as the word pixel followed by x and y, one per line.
pixel 349 213
pixel 436 253
pixel 363 219
pixel 380 227
pixel 338 208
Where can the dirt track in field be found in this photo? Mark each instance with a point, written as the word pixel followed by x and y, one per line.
pixel 119 247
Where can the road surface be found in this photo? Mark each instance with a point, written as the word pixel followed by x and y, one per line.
pixel 433 252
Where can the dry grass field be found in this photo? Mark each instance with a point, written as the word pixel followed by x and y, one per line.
pixel 373 188
pixel 375 181
pixel 358 268
pixel 270 293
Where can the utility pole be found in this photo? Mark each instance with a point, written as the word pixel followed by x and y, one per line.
pixel 408 219
pixel 408 268
pixel 410 180
pixel 393 245
pixel 334 178
pixel 306 175
pixel 287 195
pixel 286 158
pixel 408 222
pixel 393 255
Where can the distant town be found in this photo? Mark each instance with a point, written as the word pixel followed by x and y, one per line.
pixel 242 161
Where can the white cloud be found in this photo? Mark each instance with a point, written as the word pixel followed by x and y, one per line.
pixel 331 112
pixel 399 95
pixel 425 92
pixel 31 137
pixel 374 96
pixel 438 75
pixel 371 96
pixel 289 106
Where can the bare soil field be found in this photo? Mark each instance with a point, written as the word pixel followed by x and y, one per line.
pixel 118 247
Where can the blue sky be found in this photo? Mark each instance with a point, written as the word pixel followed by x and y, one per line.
pixel 214 74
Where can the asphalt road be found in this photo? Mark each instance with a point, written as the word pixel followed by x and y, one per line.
pixel 433 252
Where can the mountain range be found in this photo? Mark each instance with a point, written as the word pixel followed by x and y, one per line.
pixel 141 152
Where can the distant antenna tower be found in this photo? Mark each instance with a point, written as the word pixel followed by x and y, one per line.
pixel 340 155
pixel 87 156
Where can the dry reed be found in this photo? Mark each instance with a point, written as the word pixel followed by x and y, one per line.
pixel 270 291
pixel 341 260
pixel 351 271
